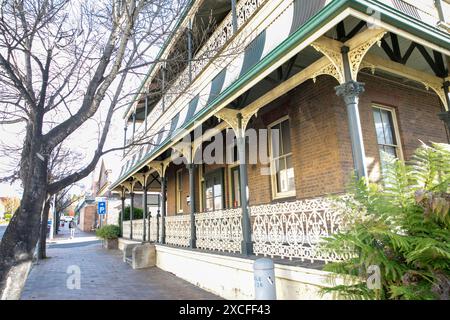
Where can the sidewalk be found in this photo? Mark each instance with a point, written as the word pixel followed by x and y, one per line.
pixel 63 236
pixel 103 275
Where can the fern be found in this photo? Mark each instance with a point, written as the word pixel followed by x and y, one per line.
pixel 401 225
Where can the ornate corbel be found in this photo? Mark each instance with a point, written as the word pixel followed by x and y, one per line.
pixel 231 117
pixel 141 178
pixel 356 54
pixel 336 68
pixel 128 186
pixel 439 90
pixel 330 70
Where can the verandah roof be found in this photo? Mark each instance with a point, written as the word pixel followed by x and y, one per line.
pixel 290 28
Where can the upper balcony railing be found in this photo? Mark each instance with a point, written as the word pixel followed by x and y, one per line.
pixel 424 10
pixel 245 9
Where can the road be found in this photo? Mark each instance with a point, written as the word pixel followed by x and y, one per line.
pixel 2 231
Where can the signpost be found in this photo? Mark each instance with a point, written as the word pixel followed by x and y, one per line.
pixel 101 209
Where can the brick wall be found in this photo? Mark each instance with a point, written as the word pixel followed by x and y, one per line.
pixel 416 112
pixel 87 217
pixel 320 139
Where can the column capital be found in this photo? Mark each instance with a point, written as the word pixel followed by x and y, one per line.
pixel 350 91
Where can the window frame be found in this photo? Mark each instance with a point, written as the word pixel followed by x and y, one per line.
pixel 179 191
pixel 232 168
pixel 201 180
pixel 273 175
pixel 398 147
pixel 220 173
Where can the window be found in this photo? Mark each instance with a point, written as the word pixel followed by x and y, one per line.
pixel 281 165
pixel 387 133
pixel 235 194
pixel 179 190
pixel 214 191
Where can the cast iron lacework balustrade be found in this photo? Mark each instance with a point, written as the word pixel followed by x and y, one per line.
pixel 245 9
pixel 153 228
pixel 289 230
pixel 178 230
pixel 126 229
pixel 294 230
pixel 138 230
pixel 219 230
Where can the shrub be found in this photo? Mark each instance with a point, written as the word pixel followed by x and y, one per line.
pixel 402 227
pixel 108 232
pixel 137 214
pixel 8 216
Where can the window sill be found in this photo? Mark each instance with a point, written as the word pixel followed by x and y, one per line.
pixel 282 197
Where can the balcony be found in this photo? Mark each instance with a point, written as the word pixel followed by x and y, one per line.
pixel 254 17
pixel 213 47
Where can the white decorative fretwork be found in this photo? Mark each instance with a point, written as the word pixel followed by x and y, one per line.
pixel 153 228
pixel 126 229
pixel 245 9
pixel 219 230
pixel 138 230
pixel 295 229
pixel 178 230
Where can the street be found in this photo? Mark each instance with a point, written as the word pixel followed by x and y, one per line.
pixel 2 231
pixel 81 269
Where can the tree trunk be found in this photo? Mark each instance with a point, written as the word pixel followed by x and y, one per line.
pixel 42 249
pixel 20 238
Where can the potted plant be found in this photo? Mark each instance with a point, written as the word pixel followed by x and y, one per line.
pixel 110 235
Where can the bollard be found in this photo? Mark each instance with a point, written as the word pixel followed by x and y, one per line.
pixel 264 276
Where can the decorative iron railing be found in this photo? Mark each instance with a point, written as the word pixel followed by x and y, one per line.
pixel 126 229
pixel 245 9
pixel 138 229
pixel 178 230
pixel 294 230
pixel 219 230
pixel 288 230
pixel 153 230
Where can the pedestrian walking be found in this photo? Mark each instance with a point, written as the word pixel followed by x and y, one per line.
pixel 72 229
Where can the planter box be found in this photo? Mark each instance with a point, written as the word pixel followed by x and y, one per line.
pixel 111 244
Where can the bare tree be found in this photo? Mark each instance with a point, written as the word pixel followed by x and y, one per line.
pixel 61 62
pixel 62 162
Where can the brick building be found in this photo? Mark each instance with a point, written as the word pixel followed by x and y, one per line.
pixel 326 88
pixel 86 210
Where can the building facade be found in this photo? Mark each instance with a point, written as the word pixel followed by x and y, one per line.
pixel 312 93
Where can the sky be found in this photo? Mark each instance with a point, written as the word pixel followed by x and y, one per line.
pixel 84 140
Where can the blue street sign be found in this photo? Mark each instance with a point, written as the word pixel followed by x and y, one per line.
pixel 101 209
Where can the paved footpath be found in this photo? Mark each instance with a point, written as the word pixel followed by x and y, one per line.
pixel 103 275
